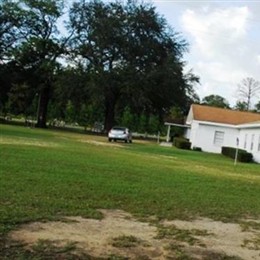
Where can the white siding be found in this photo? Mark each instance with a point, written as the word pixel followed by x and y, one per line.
pixel 204 136
pixel 251 137
pixel 187 133
pixel 210 136
pixel 258 149
pixel 193 134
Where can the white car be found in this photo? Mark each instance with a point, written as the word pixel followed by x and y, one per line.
pixel 120 133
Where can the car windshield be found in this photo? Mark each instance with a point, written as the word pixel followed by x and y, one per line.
pixel 119 128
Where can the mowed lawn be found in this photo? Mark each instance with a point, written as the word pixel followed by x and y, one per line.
pixel 47 174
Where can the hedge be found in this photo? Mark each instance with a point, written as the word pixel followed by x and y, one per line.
pixel 242 156
pixel 181 143
pixel 197 149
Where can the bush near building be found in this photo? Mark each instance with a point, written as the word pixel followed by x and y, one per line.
pixel 242 156
pixel 181 143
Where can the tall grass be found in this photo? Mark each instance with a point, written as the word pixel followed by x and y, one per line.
pixel 47 174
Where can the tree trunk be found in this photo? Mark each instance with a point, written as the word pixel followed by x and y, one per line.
pixel 42 107
pixel 109 112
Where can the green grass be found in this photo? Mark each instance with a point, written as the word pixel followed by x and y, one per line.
pixel 125 241
pixel 46 174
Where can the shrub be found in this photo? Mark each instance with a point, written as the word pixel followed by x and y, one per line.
pixel 242 156
pixel 245 157
pixel 181 143
pixel 197 149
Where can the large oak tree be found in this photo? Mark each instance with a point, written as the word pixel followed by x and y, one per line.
pixel 134 57
pixel 120 56
pixel 31 35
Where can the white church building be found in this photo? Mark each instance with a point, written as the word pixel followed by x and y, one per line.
pixel 211 128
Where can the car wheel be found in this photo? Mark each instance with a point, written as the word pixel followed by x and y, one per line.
pixel 109 139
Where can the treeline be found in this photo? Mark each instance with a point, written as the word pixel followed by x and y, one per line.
pixel 92 61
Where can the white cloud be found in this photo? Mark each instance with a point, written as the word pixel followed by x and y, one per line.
pixel 258 59
pixel 221 72
pixel 224 41
pixel 214 30
pixel 218 78
pixel 221 51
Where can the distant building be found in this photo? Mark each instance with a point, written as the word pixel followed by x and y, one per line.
pixel 210 128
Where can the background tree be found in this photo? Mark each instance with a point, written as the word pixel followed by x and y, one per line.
pixel 35 46
pixel 241 106
pixel 191 96
pixel 247 90
pixel 125 63
pixel 215 101
pixel 6 74
pixel 257 106
pixel 11 20
pixel 73 100
pixel 132 55
pixel 175 115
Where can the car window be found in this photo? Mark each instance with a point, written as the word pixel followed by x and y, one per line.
pixel 119 128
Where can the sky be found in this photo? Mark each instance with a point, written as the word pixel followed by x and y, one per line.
pixel 224 42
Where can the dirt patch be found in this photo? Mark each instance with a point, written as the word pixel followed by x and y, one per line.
pixel 119 234
pixel 95 236
pixel 99 143
pixel 26 141
pixel 228 238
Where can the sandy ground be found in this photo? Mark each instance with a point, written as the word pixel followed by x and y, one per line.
pixel 97 237
pixel 26 141
pixel 102 143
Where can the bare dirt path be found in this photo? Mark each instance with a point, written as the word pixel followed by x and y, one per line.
pixel 120 234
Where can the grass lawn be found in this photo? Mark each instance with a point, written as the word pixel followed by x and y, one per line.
pixel 46 174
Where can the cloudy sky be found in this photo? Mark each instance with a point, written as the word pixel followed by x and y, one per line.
pixel 224 39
